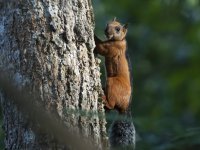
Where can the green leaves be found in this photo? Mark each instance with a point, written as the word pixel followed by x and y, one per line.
pixel 164 48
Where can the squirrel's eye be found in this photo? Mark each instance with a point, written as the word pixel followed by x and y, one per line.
pixel 117 29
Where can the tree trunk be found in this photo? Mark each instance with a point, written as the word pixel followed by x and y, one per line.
pixel 46 46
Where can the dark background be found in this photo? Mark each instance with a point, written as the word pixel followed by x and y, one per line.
pixel 164 48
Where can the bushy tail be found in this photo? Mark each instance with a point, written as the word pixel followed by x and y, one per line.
pixel 122 133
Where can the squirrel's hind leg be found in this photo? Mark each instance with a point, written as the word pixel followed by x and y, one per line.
pixel 109 104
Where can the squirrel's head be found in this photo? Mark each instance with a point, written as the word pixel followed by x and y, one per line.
pixel 115 31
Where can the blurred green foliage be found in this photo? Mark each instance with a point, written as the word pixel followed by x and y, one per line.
pixel 164 48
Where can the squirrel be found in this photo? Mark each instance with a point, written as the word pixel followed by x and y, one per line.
pixel 118 84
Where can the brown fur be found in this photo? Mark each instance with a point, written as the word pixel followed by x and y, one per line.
pixel 118 86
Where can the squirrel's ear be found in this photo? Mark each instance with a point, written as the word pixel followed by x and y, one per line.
pixel 114 19
pixel 125 26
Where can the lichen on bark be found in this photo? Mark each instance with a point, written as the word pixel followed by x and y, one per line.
pixel 47 47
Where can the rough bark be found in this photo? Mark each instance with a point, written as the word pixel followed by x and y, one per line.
pixel 47 48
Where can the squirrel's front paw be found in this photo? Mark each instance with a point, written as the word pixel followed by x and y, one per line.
pixel 104 98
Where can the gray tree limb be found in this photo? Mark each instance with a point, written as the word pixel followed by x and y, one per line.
pixel 47 48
